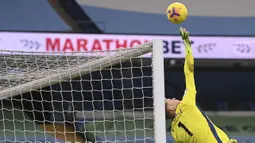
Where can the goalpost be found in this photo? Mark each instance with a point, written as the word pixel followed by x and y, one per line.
pixel 108 96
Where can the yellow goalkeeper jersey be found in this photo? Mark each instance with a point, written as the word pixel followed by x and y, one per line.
pixel 190 124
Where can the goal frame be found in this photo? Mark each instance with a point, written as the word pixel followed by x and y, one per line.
pixel 155 47
pixel 158 91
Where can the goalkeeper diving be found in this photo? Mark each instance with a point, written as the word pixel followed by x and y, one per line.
pixel 189 123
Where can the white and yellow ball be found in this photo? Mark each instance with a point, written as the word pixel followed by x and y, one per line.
pixel 177 12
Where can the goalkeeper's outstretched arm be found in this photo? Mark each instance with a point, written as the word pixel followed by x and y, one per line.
pixel 190 94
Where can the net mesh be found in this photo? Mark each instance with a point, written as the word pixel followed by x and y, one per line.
pixel 21 69
pixel 76 97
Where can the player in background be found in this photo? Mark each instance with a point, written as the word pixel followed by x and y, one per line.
pixel 189 123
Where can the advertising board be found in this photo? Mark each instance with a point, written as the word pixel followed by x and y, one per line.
pixel 205 47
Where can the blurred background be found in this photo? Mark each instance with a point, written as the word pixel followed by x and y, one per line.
pixel 225 81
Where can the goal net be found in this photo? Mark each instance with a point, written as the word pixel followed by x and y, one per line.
pixel 114 96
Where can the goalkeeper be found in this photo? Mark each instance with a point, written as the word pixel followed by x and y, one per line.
pixel 189 123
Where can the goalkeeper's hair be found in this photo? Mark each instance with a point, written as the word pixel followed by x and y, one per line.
pixel 232 141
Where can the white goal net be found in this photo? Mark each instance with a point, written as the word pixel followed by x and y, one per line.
pixel 108 97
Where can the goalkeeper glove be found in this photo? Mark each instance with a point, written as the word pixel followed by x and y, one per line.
pixel 185 37
pixel 189 59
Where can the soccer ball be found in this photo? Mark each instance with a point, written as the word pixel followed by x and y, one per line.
pixel 177 12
